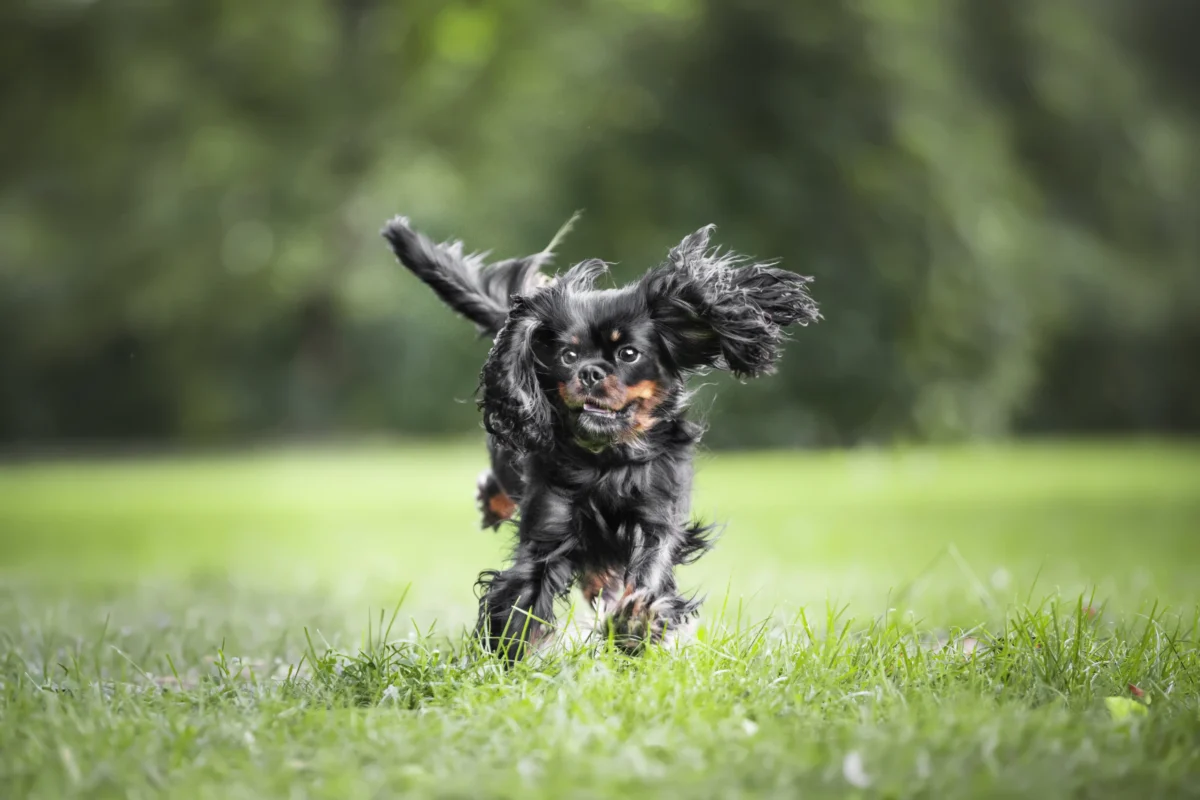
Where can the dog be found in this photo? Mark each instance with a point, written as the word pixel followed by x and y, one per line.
pixel 584 399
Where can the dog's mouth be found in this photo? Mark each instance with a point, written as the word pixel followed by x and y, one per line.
pixel 595 409
pixel 598 419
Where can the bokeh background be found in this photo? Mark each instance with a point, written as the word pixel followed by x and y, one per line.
pixel 234 431
pixel 1000 203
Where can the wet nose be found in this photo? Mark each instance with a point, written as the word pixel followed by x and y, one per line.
pixel 591 374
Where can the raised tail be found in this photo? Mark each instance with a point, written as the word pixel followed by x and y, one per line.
pixel 479 291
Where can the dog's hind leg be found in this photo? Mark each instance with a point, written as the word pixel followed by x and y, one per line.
pixel 498 490
pixel 494 504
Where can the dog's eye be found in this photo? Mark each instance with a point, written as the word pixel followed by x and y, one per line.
pixel 569 356
pixel 628 355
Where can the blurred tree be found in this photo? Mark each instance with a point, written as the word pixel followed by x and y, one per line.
pixel 999 202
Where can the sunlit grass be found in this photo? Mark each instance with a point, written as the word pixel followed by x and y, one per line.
pixel 923 623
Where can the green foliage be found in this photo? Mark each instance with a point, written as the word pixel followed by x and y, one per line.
pixel 998 201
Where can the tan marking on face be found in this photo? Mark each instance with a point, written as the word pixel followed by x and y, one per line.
pixel 616 336
pixel 574 340
pixel 642 390
pixel 647 395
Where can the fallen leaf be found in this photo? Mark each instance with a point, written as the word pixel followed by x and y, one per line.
pixel 1136 692
pixel 1123 708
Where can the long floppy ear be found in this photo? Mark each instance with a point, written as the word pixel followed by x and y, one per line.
pixel 515 408
pixel 478 291
pixel 722 310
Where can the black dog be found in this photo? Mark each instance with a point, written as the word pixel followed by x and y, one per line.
pixel 584 398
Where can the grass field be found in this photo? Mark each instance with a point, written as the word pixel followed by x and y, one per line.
pixel 934 623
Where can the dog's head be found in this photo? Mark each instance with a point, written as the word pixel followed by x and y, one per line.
pixel 600 367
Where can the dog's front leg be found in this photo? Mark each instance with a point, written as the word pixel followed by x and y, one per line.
pixel 649 607
pixel 517 605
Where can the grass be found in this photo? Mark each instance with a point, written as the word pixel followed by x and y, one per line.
pixel 938 623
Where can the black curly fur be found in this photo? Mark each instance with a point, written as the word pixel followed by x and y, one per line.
pixel 480 292
pixel 717 310
pixel 515 409
pixel 592 443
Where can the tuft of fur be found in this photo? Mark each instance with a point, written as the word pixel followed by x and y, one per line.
pixel 722 311
pixel 515 410
pixel 479 291
pixel 698 538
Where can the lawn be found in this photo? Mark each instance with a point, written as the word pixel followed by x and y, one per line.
pixel 939 623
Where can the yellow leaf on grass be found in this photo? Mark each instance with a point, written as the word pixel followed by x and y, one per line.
pixel 1123 707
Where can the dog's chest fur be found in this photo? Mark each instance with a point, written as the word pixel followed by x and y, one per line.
pixel 616 508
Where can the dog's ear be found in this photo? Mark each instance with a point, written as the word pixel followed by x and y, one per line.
pixel 722 310
pixel 515 407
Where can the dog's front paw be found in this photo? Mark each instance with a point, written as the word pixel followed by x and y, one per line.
pixel 638 618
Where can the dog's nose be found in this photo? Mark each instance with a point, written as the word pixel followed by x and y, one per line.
pixel 591 374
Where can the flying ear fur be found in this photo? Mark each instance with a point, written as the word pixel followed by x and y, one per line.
pixel 723 311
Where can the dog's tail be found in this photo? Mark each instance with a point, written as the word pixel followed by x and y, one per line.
pixel 479 291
